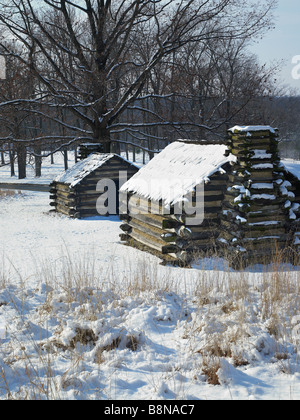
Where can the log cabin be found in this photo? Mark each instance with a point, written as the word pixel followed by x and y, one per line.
pixel 175 201
pixel 76 192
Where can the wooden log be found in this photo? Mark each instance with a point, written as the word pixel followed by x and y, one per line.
pixel 263 217
pixel 169 237
pixel 169 249
pixel 182 231
pixel 65 194
pixel 157 221
pixel 125 227
pixel 146 228
pixel 90 213
pixel 263 144
pixel 269 206
pixel 124 237
pixel 67 203
pixel 265 245
pixel 218 194
pixel 170 224
pixel 65 210
pixel 64 187
pixel 261 234
pixel 210 202
pixel 240 178
pixel 215 184
pixel 201 243
pixel 63 204
pixel 152 242
pixel 254 202
pixel 150 219
pixel 141 207
pixel 205 235
pixel 138 205
pixel 87 207
pixel 88 199
pixel 87 191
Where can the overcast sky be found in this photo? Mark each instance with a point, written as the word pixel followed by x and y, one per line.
pixel 283 43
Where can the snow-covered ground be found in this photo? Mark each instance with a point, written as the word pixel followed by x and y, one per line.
pixel 84 317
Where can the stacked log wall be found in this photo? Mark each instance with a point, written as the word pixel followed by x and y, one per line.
pixel 256 215
pixel 295 211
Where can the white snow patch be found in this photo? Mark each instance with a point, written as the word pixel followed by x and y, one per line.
pixel 263 166
pixel 293 166
pixel 263 196
pixel 263 186
pixel 251 128
pixel 261 154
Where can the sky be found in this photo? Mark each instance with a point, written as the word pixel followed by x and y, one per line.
pixel 283 43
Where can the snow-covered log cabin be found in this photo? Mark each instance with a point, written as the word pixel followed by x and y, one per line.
pixel 75 192
pixel 175 201
pixel 248 205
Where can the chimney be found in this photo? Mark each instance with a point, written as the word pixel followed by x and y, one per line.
pixel 257 204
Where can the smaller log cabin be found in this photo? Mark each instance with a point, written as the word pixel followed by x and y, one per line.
pixel 75 193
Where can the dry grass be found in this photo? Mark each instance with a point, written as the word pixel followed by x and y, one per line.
pixel 224 310
pixel 9 193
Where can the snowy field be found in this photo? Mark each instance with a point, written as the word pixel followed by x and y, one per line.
pixel 85 317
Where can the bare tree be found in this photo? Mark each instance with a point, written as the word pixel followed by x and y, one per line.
pixel 16 120
pixel 81 54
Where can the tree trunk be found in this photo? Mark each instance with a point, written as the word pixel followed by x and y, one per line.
pixel 12 160
pixel 65 152
pixel 102 136
pixel 38 161
pixel 75 154
pixel 106 146
pixel 21 155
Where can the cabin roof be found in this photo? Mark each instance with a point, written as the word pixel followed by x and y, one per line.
pixel 177 170
pixel 83 168
pixel 252 129
pixel 292 166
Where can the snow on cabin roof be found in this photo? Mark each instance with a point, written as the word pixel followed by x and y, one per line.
pixel 251 128
pixel 292 166
pixel 83 168
pixel 177 170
